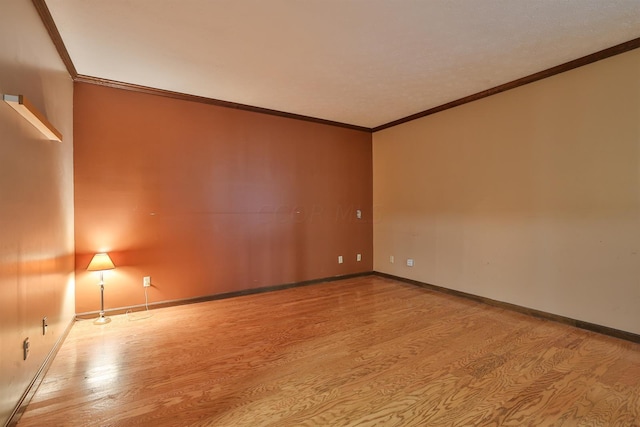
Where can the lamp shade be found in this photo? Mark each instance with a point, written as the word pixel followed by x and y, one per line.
pixel 101 262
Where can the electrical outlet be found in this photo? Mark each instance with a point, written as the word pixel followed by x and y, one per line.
pixel 44 325
pixel 359 257
pixel 25 348
pixel 146 281
pixel 340 261
pixel 359 214
pixel 391 259
pixel 410 262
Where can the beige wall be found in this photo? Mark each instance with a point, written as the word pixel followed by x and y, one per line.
pixel 530 197
pixel 36 201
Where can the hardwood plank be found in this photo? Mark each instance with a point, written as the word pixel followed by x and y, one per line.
pixel 362 351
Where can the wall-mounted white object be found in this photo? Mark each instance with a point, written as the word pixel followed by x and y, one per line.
pixel 35 117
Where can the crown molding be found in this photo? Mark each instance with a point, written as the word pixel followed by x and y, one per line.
pixel 54 34
pixel 211 101
pixel 576 63
pixel 51 27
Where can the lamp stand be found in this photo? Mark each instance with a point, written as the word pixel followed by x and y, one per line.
pixel 102 319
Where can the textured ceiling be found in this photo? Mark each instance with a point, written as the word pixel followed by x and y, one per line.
pixel 360 62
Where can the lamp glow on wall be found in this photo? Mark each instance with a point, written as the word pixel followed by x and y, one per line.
pixel 35 117
pixel 101 262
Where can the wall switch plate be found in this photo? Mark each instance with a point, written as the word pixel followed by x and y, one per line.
pixel 25 348
pixel 391 259
pixel 45 325
pixel 146 281
pixel 359 257
pixel 340 259
pixel 410 262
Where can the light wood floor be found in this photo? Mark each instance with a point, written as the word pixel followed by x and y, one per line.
pixel 359 352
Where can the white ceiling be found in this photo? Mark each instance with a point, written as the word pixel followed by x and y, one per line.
pixel 360 62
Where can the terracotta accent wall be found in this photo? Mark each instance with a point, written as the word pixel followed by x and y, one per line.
pixel 208 200
pixel 36 202
pixel 531 196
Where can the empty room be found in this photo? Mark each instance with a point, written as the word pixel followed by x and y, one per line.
pixel 320 213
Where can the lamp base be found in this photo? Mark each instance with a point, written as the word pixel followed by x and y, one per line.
pixel 102 320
